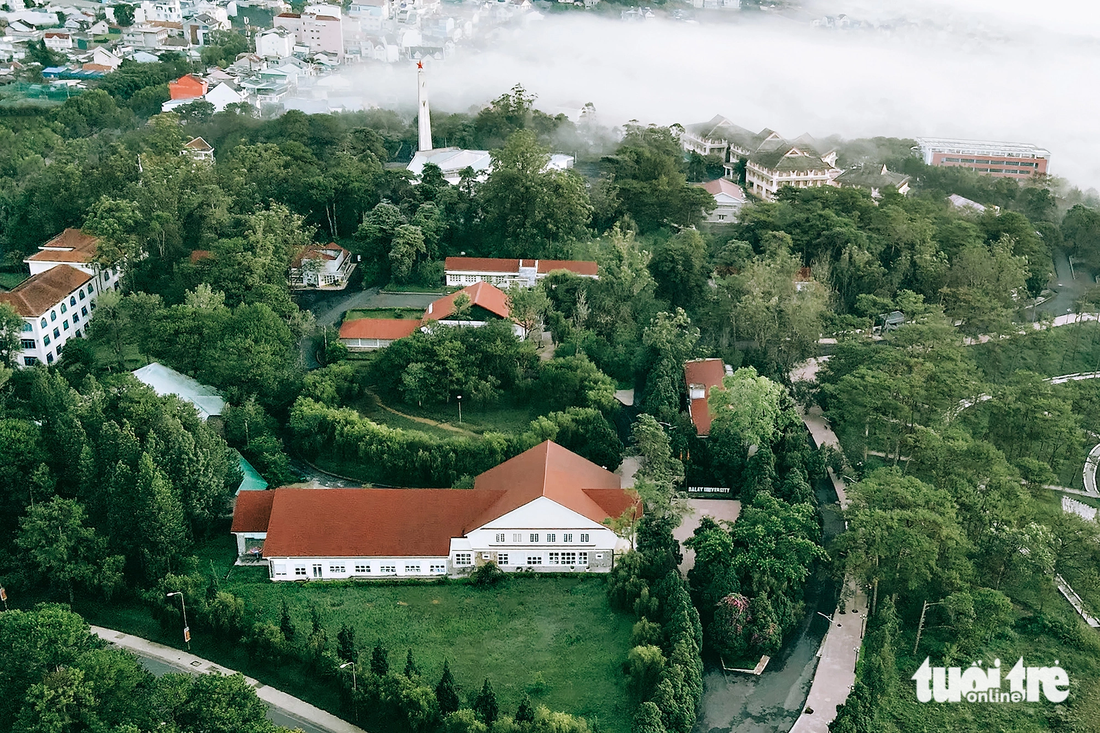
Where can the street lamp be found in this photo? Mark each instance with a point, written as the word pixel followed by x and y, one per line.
pixel 352 665
pixel 186 629
pixel 460 409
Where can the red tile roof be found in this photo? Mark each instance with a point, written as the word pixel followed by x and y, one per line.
pixel 198 255
pixel 709 374
pixel 71 245
pixel 480 264
pixel 481 294
pixel 389 329
pixel 252 512
pixel 726 186
pixel 330 251
pixel 580 267
pixel 371 522
pixel 551 471
pixel 38 293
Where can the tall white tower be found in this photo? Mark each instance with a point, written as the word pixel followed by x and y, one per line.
pixel 423 116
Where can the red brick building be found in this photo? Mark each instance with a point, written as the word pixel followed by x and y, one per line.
pixel 1000 160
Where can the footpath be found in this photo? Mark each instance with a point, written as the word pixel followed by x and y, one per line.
pixel 839 652
pixel 298 711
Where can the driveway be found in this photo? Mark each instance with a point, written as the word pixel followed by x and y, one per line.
pixel 1068 284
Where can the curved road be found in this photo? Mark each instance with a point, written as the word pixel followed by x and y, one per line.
pixel 282 709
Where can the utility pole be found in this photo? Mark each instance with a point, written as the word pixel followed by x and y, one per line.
pixel 186 628
pixel 920 626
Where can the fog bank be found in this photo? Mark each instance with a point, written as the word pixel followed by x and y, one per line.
pixel 987 69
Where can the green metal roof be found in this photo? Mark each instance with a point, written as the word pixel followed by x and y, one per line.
pixel 253 481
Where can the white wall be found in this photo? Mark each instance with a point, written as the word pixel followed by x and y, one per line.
pixel 285 568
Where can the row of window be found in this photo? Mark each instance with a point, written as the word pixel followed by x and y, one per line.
pixel 551 537
pixel 301 571
pixel 53 316
pixel 1022 164
pixel 552 558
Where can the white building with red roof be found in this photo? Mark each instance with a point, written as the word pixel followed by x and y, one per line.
pixel 371 334
pixel 703 375
pixel 321 267
pixel 507 273
pixel 543 510
pixel 55 304
pixel 77 249
pixel 728 199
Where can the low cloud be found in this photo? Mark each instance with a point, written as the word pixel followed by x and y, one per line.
pixel 983 69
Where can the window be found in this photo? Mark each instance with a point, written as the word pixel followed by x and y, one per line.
pixel 567 537
pixel 46 340
pixel 43 323
pixel 76 317
pixel 721 217
pixel 517 537
pixel 53 315
pixel 437 568
pixel 57 333
pixel 534 536
pixel 569 558
pixel 280 569
pixel 64 308
pixel 500 537
pixel 81 293
pixel 414 569
pixel 387 568
pixel 316 570
pixel 551 537
pixel 337 569
pixel 502 558
pixel 30 360
pixel 534 559
pixel 554 558
pixel 77 333
pixel 27 327
pixel 362 568
pixel 65 323
pixel 582 558
pixel 300 570
pixel 27 343
pixel 84 311
pixel 584 537
pixel 464 558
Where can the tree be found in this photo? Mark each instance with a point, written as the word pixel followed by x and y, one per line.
pixel 680 269
pixel 213 703
pixel 647 719
pixel 11 330
pixel 527 306
pixel 379 663
pixel 983 284
pixel 525 713
pixel 286 624
pixel 57 545
pixel 713 576
pixel 485 705
pixel 747 407
pixel 446 692
pixel 406 250
pixel 124 14
pixel 659 471
pixel 644 667
pixel 669 341
pixel 411 670
pixel 345 644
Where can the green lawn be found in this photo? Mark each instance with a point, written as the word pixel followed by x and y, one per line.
pixel 553 637
pixel 407 313
pixel 506 416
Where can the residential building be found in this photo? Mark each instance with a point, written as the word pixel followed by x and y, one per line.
pixel 321 267
pixel 275 43
pixel 711 137
pixel 371 334
pixel 961 202
pixel 188 87
pixel 58 41
pixel 77 249
pixel 997 159
pixel 144 35
pixel 728 199
pixel 162 11
pixel 225 94
pixel 702 376
pixel 200 150
pixel 199 29
pixel 874 178
pixel 319 33
pixel 55 304
pixel 543 510
pixel 486 303
pixel 507 273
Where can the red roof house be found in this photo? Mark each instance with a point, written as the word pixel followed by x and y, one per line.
pixel 506 272
pixel 188 86
pixel 541 510
pixel 368 334
pixel 702 375
pixel 486 302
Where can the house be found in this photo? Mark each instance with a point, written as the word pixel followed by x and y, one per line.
pixel 55 305
pixel 486 303
pixel 187 87
pixel 164 11
pixel 874 178
pixel 543 510
pixel 961 202
pixel 321 267
pixel 703 375
pixel 711 137
pixel 145 35
pixel 506 273
pixel 370 334
pixel 199 29
pixel 728 197
pixel 275 43
pixel 997 159
pixel 778 163
pixel 199 149
pixel 76 249
pixel 452 162
pixel 163 380
pixel 225 94
pixel 58 41
pixel 319 33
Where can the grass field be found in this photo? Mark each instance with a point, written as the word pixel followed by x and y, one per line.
pixel 505 416
pixel 406 313
pixel 555 638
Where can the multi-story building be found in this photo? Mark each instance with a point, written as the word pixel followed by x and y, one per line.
pixel 321 267
pixel 728 200
pixel 874 178
pixel 1001 160
pixel 56 305
pixel 319 33
pixel 77 249
pixel 462 271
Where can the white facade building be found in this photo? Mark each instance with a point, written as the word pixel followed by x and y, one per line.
pixel 540 511
pixel 56 305
pixel 462 271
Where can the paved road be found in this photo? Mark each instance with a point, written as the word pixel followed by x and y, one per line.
pixel 1066 287
pixel 283 709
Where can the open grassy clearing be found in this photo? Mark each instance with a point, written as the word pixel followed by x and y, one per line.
pixel 504 416
pixel 406 313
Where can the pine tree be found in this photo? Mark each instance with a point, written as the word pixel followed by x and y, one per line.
pixel 525 713
pixel 379 664
pixel 286 624
pixel 446 692
pixel 411 670
pixel 485 705
pixel 345 641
